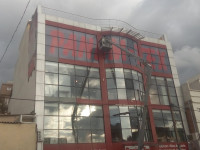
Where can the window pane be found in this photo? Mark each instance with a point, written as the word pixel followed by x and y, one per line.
pixel 127 74
pixel 164 100
pixel 114 110
pixel 119 72
pixel 129 84
pixel 94 83
pixel 83 122
pixel 66 136
pixel 154 99
pixel 160 80
pixel 83 110
pixel 51 90
pixel 51 78
pixel 110 73
pixel 130 94
pixel 121 94
pixel 112 94
pixel 111 84
pixel 50 136
pixel 125 122
pixel 167 115
pixel 93 72
pixel 66 80
pixel 96 111
pixel 66 69
pixel 126 134
pixel 65 123
pixel 51 108
pixel 84 136
pixel 120 83
pixel 51 67
pixel 66 91
pixel 66 109
pixel 98 136
pixel 124 109
pixel 81 71
pixel 170 82
pixel 81 82
pixel 50 122
pixel 172 91
pixel 153 89
pixel 157 114
pixel 97 123
pixel 134 74
pixel 95 94
pixel 162 90
pixel 116 135
pixel 177 115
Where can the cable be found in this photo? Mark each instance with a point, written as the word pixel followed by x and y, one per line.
pixel 14 32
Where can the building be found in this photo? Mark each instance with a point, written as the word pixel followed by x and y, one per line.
pixel 85 98
pixel 17 132
pixel 5 95
pixel 191 93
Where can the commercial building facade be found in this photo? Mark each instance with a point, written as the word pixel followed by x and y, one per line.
pixel 85 98
pixel 191 94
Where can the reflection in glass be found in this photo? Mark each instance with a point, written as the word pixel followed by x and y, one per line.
pixel 84 136
pixel 98 136
pixel 96 110
pixel 66 109
pixel 83 122
pixel 95 94
pixel 50 122
pixel 83 110
pixel 81 71
pixel 125 122
pixel 66 69
pixel 154 99
pixel 51 67
pixel 121 94
pixel 120 83
pixel 51 90
pixel 126 134
pixel 65 123
pixel 51 108
pixel 94 83
pixel 66 91
pixel 111 84
pixel 112 94
pixel 65 80
pixel 50 136
pixel 51 78
pixel 66 136
pixel 119 73
pixel 93 72
pixel 97 123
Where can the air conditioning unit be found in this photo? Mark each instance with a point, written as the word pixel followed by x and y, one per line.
pixel 39 136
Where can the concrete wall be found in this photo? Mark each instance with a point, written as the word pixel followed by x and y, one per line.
pixel 17 136
pixel 23 88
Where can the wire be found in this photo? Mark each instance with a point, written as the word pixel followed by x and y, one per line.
pixel 14 32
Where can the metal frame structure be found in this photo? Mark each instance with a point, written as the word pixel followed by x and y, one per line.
pixel 105 44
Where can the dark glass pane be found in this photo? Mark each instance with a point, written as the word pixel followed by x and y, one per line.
pixel 51 53
pixel 81 81
pixel 66 136
pixel 91 38
pixel 127 74
pixel 51 30
pixel 129 84
pixel 170 82
pixel 177 115
pixel 51 108
pixel 130 94
pixel 83 122
pixel 133 111
pixel 174 102
pixel 162 90
pixel 79 36
pixel 167 115
pixel 112 94
pixel 136 85
pixel 97 123
pixel 157 114
pixel 159 123
pixel 64 33
pixel 116 135
pixel 114 110
pixel 153 80
pixel 98 136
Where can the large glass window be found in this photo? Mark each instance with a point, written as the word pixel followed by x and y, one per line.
pixel 166 126
pixel 72 81
pixel 124 122
pixel 124 84
pixel 68 123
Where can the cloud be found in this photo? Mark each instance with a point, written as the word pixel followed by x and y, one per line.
pixel 187 62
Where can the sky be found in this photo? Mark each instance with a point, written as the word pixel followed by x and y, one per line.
pixel 179 20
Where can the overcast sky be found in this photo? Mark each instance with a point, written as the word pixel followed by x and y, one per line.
pixel 178 19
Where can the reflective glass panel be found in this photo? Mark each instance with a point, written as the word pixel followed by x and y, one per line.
pixel 66 136
pixel 51 108
pixel 50 122
pixel 51 67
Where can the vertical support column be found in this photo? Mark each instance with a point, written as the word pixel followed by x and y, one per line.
pixel 40 74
